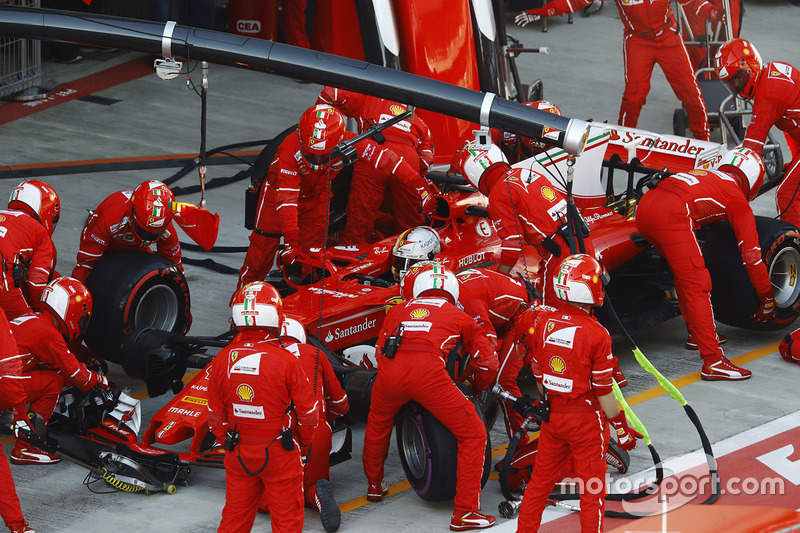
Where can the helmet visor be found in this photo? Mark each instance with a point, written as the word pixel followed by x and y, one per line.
pixel 143 233
pixel 83 323
pixel 738 81
pixel 400 265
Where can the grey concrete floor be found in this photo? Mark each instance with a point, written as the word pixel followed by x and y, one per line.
pixel 582 74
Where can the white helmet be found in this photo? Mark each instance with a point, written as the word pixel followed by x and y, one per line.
pixel 294 329
pixel 471 162
pixel 257 304
pixel 430 276
pixel 413 245
pixel 746 165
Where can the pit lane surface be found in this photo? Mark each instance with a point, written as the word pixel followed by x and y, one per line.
pixel 147 117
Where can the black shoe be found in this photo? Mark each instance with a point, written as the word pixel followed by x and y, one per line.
pixel 329 513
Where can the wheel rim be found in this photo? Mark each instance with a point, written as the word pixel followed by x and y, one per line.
pixel 157 309
pixel 770 163
pixel 783 276
pixel 414 448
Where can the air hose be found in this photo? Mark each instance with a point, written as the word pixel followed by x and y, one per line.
pixel 118 484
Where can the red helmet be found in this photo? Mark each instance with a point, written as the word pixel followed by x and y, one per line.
pixel 580 280
pixel 431 278
pixel 257 305
pixel 536 147
pixel 39 200
pixel 70 302
pixel 738 65
pixel 150 212
pixel 747 167
pixel 320 129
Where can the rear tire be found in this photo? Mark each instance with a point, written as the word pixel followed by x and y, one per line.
pixel 134 289
pixel 428 452
pixel 733 296
pixel 680 121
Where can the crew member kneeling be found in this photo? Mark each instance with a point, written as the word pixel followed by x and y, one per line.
pixel 262 407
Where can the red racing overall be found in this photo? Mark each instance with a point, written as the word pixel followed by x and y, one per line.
pixel 293 202
pixel 109 229
pixel 24 241
pixel 776 102
pixel 571 357
pixel 432 327
pixel 252 384
pixel 667 217
pixel 409 139
pixel 494 300
pixel 650 37
pixel 331 403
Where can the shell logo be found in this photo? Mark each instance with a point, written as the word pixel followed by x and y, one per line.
pixel 697 172
pixel 246 393
pixel 548 193
pixel 558 365
pixel 397 110
pixel 2 218
pixel 419 313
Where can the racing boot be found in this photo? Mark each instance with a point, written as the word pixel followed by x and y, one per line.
pixel 691 343
pixel 25 454
pixel 723 370
pixel 329 513
pixel 468 520
pixel 24 529
pixel 377 491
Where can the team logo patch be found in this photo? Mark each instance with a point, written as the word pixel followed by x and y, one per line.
pixel 419 313
pixel 245 392
pixel 234 356
pixel 698 172
pixel 550 326
pixel 397 110
pixel 558 365
pixel 195 400
pixel 2 218
pixel 548 194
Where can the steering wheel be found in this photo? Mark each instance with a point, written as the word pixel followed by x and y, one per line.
pixel 364 279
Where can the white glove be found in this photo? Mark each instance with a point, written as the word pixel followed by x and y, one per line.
pixel 21 428
pixel 523 18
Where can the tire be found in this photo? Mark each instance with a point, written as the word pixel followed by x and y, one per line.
pixel 680 122
pixel 133 289
pixel 773 164
pixel 733 296
pixel 428 452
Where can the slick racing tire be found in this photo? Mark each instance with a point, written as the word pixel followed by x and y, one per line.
pixel 428 452
pixel 134 289
pixel 733 296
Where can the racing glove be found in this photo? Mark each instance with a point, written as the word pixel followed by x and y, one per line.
pixel 427 201
pixel 715 15
pixel 766 311
pixel 97 380
pixel 626 436
pixel 21 427
pixel 291 253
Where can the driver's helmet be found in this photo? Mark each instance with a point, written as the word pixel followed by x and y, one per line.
pixel 150 211
pixel 429 278
pixel 536 147
pixel 39 200
pixel 70 303
pixel 416 244
pixel 320 129
pixel 738 65
pixel 257 305
pixel 580 280
pixel 293 329
pixel 471 161
pixel 747 167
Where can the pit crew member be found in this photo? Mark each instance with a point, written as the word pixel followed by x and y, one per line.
pixel 774 89
pixel 331 403
pixel 13 396
pixel 27 251
pixel 650 37
pixel 570 355
pixel 524 207
pixel 698 54
pixel 262 409
pixel 293 201
pixel 667 217
pixel 427 326
pixel 42 339
pixel 409 139
pixel 130 220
